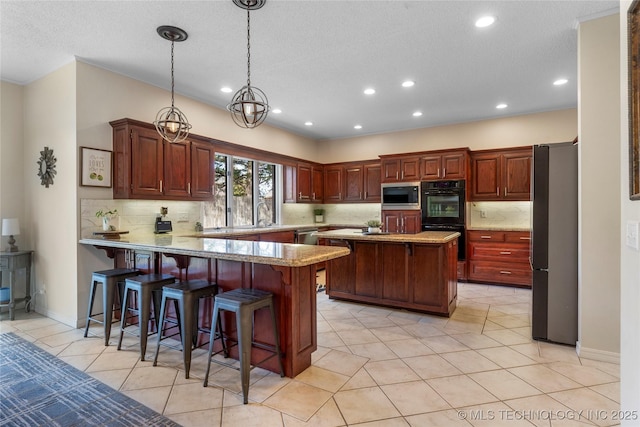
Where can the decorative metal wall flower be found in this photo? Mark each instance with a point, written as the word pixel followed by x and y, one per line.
pixel 46 167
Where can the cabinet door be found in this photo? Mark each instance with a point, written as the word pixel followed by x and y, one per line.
pixel 290 183
pixel 304 182
pixel 147 168
pixel 366 269
pixel 427 271
pixel 395 274
pixel 391 170
pixel 341 271
pixel 454 166
pixel 486 177
pixel 430 166
pixel 317 184
pixel 391 221
pixel 372 188
pixel 411 222
pixel 353 183
pixel 177 169
pixel 332 184
pixel 410 169
pixel 516 177
pixel 202 170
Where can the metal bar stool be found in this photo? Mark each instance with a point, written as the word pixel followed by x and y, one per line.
pixel 146 287
pixel 244 303
pixel 187 295
pixel 110 281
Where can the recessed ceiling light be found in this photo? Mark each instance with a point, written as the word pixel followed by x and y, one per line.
pixel 408 83
pixel 357 127
pixel 308 123
pixel 417 114
pixel 226 89
pixel 369 91
pixel 560 82
pixel 501 106
pixel 276 111
pixel 485 21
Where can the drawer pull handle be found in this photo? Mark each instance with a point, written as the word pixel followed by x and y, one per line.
pixel 485 237
pixel 504 272
pixel 525 238
pixel 505 252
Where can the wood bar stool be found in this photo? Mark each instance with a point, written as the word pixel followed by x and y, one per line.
pixel 186 294
pixel 110 281
pixel 244 303
pixel 147 288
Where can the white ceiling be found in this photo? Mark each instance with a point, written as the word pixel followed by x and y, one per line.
pixel 314 58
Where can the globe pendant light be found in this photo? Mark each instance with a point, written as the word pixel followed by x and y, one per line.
pixel 171 123
pixel 249 106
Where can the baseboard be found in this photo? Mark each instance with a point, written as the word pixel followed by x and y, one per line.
pixel 60 318
pixel 599 355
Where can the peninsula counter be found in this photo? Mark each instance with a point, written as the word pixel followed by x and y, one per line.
pixel 286 270
pixel 412 271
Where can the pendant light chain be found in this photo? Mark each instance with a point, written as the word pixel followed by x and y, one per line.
pixel 172 80
pixel 248 47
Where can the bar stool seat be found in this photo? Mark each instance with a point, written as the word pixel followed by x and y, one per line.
pixel 147 288
pixel 186 295
pixel 244 303
pixel 111 284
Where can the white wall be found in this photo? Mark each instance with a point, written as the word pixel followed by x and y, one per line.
pixel 599 189
pixel 530 129
pixel 51 213
pixel 629 258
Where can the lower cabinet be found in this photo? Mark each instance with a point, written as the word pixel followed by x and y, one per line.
pixel 405 222
pixel 500 257
pixel 419 277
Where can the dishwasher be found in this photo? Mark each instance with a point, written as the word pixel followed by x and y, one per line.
pixel 308 236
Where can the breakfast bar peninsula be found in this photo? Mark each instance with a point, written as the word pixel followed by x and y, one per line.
pixel 412 271
pixel 288 271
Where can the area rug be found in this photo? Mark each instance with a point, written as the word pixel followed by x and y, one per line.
pixel 38 389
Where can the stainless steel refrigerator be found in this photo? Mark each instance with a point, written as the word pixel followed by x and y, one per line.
pixel 554 243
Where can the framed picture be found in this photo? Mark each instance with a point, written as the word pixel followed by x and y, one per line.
pixel 633 28
pixel 95 167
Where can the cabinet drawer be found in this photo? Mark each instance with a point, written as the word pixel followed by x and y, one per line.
pixel 485 236
pixel 499 252
pixel 517 237
pixel 499 272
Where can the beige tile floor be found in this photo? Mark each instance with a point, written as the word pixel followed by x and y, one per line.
pixel 374 366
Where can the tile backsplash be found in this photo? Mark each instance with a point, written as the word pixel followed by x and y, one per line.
pixel 343 214
pixel 499 215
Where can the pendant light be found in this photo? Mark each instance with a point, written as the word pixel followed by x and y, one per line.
pixel 171 123
pixel 249 106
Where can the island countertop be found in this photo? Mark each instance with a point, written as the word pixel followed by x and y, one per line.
pixel 357 234
pixel 269 253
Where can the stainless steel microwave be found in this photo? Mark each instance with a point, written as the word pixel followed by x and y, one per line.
pixel 401 195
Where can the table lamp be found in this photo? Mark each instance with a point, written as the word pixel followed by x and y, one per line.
pixel 11 227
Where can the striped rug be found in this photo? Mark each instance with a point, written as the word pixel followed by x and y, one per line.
pixel 37 389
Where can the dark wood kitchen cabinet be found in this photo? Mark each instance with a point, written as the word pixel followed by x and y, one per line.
pixel 500 257
pixel 352 182
pixel 333 183
pixel 308 186
pixel 450 165
pixel 501 174
pixel 405 222
pixel 371 182
pixel 398 169
pixel 147 167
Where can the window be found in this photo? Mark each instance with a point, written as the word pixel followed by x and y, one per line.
pixel 245 193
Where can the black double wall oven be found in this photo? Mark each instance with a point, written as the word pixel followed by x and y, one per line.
pixel 443 204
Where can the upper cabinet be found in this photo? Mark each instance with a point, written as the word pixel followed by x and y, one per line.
pixel 147 167
pixel 451 165
pixel 352 182
pixel 501 174
pixel 397 169
pixel 303 183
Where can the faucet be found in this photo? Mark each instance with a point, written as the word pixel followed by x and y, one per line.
pixel 264 221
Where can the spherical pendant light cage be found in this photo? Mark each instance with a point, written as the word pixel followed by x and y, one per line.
pixel 249 106
pixel 171 123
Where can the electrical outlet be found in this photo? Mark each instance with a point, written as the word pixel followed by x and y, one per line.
pixel 632 235
pixel 183 217
pixel 483 214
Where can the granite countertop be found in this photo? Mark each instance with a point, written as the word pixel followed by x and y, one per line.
pixel 225 232
pixel 270 253
pixel 423 237
pixel 498 228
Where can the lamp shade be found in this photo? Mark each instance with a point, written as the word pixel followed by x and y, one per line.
pixel 10 227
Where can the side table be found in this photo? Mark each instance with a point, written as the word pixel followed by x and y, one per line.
pixel 12 262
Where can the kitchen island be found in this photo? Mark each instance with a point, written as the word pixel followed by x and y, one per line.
pixel 413 271
pixel 286 270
